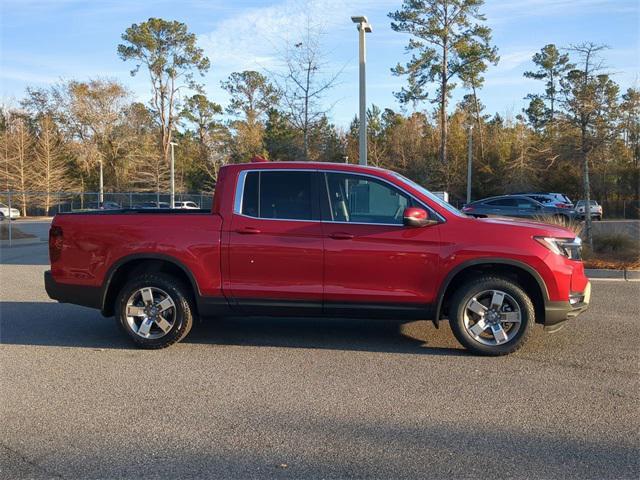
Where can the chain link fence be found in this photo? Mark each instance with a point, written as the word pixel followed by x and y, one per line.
pixel 43 204
pixel 18 209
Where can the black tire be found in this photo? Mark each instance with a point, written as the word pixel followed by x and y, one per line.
pixel 599 218
pixel 475 287
pixel 182 309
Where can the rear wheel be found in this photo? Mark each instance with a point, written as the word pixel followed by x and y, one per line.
pixel 491 316
pixel 155 310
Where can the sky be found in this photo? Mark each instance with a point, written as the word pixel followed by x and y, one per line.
pixel 47 41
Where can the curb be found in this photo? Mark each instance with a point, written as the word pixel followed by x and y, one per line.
pixel 624 275
pixel 20 242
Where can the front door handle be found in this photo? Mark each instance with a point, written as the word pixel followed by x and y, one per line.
pixel 341 236
pixel 248 231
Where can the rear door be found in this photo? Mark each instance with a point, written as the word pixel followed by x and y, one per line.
pixel 528 208
pixel 275 242
pixel 502 206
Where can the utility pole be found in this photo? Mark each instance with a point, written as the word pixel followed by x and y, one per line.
pixel 173 176
pixel 469 163
pixel 363 27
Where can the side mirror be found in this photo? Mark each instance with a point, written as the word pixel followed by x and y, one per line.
pixel 416 217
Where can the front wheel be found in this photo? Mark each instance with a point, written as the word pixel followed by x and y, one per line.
pixel 155 310
pixel 491 316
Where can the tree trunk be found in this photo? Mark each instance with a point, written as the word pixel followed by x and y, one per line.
pixel 443 111
pixel 480 133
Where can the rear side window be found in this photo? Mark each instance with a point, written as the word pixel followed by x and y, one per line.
pixel 541 199
pixel 282 195
pixel 503 202
pixel 526 203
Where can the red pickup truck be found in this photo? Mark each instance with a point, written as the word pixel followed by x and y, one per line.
pixel 305 239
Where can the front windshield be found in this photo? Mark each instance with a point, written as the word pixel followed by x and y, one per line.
pixel 430 195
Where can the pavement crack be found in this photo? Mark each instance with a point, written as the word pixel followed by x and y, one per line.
pixel 30 462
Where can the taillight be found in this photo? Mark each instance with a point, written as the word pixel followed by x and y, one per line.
pixel 467 209
pixel 562 205
pixel 55 243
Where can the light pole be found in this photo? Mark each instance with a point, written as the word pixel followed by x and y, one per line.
pixel 363 27
pixel 101 199
pixel 173 176
pixel 469 163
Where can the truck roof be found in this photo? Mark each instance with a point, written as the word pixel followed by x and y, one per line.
pixel 347 167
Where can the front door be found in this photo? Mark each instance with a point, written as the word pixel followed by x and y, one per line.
pixel 373 263
pixel 275 243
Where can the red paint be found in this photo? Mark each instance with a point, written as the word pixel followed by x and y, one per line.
pixel 415 213
pixel 234 256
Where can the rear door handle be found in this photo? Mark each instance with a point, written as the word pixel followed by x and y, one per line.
pixel 341 236
pixel 248 231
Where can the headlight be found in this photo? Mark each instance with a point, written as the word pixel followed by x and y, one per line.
pixel 567 247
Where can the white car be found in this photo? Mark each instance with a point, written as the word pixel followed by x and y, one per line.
pixel 5 212
pixel 187 205
pixel 594 208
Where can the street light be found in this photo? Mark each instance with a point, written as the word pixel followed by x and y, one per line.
pixel 173 176
pixel 363 27
pixel 469 163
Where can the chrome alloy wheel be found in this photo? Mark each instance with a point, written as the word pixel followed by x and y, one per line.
pixel 150 312
pixel 492 317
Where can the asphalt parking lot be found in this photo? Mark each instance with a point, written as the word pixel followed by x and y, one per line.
pixel 275 398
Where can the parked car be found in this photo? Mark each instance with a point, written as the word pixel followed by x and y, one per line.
pixel 186 204
pixel 560 199
pixel 152 205
pixel 104 206
pixel 6 212
pixel 309 239
pixel 594 208
pixel 516 206
pixel 548 200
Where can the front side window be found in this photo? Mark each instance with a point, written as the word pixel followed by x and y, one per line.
pixel 282 195
pixel 359 199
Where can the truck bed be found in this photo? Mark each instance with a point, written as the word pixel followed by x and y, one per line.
pixel 146 211
pixel 96 242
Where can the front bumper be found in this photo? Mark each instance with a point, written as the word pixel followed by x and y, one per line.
pixel 558 312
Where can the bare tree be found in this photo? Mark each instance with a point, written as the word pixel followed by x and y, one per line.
pixel 91 112
pixel 305 79
pixel 20 169
pixel 50 170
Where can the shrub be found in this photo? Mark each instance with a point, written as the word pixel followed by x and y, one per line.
pixel 614 243
pixel 561 221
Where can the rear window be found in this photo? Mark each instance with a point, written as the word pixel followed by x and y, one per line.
pixel 279 195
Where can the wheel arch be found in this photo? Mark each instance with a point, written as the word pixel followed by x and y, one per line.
pixel 135 264
pixel 526 276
